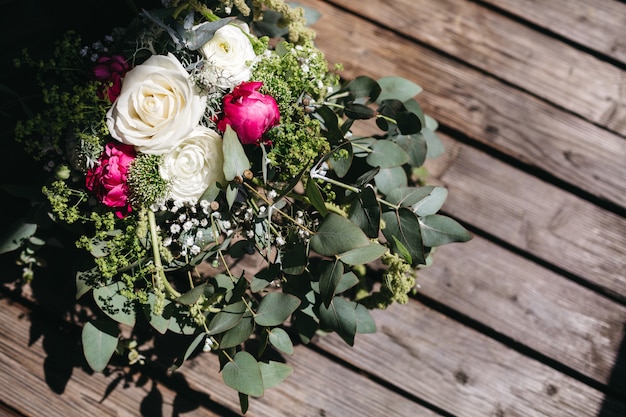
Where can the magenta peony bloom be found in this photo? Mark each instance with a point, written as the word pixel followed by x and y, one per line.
pixel 108 179
pixel 110 70
pixel 249 112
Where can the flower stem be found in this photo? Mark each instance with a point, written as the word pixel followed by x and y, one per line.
pixel 157 256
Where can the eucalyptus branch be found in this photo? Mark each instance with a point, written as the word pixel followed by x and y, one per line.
pixel 317 175
pixel 282 213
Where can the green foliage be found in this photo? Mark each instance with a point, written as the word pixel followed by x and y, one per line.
pixel 318 206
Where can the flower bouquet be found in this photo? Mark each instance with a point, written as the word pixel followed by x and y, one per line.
pixel 207 133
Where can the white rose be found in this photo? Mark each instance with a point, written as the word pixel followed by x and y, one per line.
pixel 195 162
pixel 156 107
pixel 230 54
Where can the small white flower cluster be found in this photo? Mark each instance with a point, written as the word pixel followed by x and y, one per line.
pixel 189 229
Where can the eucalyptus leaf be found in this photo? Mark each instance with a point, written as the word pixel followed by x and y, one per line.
pixel 160 322
pixel 408 196
pixel 188 352
pixel 113 303
pixel 431 203
pixel 404 225
pixel 433 143
pixel 281 341
pixel 438 230
pixel 365 212
pixel 273 373
pixel 348 280
pixel 393 87
pixel 315 197
pixel 336 235
pixel 388 179
pixel 415 146
pixel 364 254
pixel 227 318
pixel 244 375
pixel 363 87
pixel 387 154
pixel 15 234
pixel 99 339
pixel 364 321
pixel 275 308
pixel 330 274
pixel 340 316
pixel 192 296
pixel 295 259
pixel 408 123
pixel 358 111
pixel 238 334
pixel 235 159
pixel 341 165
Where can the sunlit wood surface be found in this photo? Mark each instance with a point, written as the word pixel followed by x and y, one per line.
pixel 528 319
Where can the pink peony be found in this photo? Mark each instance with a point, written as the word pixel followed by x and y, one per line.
pixel 108 179
pixel 110 70
pixel 249 113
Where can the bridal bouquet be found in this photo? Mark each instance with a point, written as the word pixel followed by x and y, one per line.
pixel 207 133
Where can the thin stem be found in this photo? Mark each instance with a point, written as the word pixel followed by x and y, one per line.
pixel 158 265
pixel 282 213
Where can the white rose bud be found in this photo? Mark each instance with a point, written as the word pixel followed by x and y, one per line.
pixel 195 163
pixel 230 54
pixel 157 106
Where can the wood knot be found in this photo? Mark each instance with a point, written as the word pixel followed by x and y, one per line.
pixel 461 377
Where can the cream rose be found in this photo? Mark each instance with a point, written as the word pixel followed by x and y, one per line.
pixel 195 162
pixel 157 106
pixel 230 54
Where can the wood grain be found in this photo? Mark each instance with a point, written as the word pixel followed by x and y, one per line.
pixel 490 111
pixel 599 25
pixel 530 60
pixel 525 302
pixel 534 216
pixel 464 372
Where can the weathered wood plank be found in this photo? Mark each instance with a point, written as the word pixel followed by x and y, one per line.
pixel 464 372
pixel 534 62
pixel 534 216
pixel 317 387
pixel 531 305
pixel 30 369
pixel 598 25
pixel 513 122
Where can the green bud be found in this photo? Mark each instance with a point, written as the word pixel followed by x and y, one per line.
pixel 62 172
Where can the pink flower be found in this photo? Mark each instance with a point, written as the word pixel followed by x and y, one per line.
pixel 249 113
pixel 110 70
pixel 108 179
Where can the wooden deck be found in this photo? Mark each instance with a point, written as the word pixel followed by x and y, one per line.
pixel 528 319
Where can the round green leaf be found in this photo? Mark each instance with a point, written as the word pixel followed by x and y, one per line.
pixel 192 295
pixel 99 340
pixel 365 212
pixel 114 304
pixel 273 373
pixel 238 334
pixel 434 145
pixel 403 226
pixel 431 203
pixel 281 341
pixel 340 316
pixel 16 234
pixel 330 274
pixel 275 308
pixel 389 179
pixel 227 318
pixel 364 321
pixel 387 154
pixel 415 146
pixel 363 255
pixel 393 87
pixel 348 280
pixel 244 375
pixel 438 230
pixel 336 235
pixel 160 322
